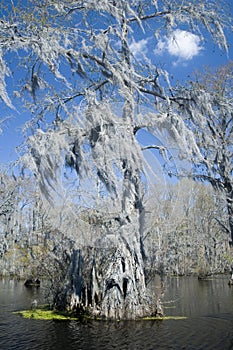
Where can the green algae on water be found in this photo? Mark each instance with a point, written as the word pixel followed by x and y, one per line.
pixel 164 318
pixel 46 314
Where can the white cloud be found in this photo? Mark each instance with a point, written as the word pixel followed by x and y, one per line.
pixel 139 48
pixel 182 44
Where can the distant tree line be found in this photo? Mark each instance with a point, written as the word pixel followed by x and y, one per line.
pixel 183 231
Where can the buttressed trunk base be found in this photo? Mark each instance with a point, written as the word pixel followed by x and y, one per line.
pixel 108 284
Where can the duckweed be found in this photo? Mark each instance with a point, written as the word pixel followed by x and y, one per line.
pixel 164 318
pixel 45 314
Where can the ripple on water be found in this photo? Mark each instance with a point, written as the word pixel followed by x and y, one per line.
pixel 209 325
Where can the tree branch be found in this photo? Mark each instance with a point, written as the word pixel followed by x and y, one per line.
pixel 222 225
pixel 160 148
pixel 153 15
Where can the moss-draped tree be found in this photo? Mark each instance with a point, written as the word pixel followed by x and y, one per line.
pixel 87 90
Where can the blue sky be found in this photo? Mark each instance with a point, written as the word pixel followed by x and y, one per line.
pixel 180 55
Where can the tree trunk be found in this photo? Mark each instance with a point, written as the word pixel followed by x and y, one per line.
pixel 229 199
pixel 230 218
pixel 110 282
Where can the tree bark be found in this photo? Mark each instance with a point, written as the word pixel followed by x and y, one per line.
pixel 108 283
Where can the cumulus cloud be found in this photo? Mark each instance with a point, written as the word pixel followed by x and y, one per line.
pixel 139 48
pixel 182 44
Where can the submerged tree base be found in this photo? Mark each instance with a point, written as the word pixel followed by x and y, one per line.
pixel 108 283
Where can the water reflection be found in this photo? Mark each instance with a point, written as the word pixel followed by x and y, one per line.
pixel 200 298
pixel 208 304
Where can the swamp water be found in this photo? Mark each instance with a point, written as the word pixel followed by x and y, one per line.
pixel 208 306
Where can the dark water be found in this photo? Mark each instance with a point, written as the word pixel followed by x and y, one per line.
pixel 208 306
